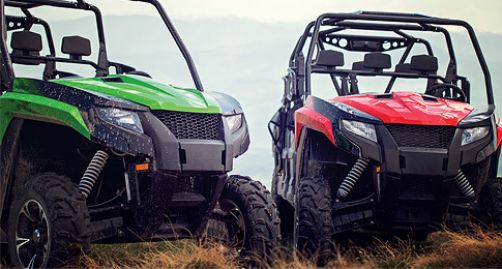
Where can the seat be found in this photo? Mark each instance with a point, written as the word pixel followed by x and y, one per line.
pixel 359 66
pixel 424 64
pixel 377 61
pixel 76 46
pixel 26 43
pixel 330 58
pixel 405 68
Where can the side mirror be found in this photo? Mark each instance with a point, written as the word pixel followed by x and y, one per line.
pixel 76 47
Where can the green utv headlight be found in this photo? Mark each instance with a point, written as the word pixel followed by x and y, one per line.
pixel 234 122
pixel 472 135
pixel 364 130
pixel 123 118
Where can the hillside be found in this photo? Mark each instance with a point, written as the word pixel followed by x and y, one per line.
pixel 240 57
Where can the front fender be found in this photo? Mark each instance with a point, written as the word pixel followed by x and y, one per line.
pixel 75 108
pixel 306 117
pixel 36 107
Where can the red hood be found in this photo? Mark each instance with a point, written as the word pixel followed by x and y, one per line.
pixel 409 108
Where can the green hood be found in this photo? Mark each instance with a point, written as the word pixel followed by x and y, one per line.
pixel 144 91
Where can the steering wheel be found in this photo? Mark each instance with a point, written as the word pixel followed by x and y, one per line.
pixel 439 89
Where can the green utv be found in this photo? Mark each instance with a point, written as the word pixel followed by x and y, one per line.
pixel 115 157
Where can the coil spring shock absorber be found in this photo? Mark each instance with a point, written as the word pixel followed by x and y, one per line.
pixel 463 184
pixel 92 172
pixel 352 177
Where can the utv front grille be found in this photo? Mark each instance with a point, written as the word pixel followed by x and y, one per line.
pixel 420 136
pixel 192 125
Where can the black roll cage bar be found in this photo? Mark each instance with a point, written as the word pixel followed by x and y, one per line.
pixel 102 65
pixel 380 21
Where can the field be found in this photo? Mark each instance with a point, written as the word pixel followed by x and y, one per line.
pixel 445 249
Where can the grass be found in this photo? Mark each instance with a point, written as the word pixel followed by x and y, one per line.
pixel 445 249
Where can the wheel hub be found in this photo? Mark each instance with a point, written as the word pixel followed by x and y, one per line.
pixel 32 233
pixel 37 236
pixel 235 224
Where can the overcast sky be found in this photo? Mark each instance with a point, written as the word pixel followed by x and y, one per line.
pixel 484 15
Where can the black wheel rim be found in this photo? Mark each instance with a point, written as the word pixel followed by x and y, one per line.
pixel 235 224
pixel 32 235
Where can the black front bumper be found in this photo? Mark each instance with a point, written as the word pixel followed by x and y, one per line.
pixel 441 162
pixel 174 196
pixel 194 155
pixel 413 188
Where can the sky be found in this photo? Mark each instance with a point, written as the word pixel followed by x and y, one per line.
pixel 484 15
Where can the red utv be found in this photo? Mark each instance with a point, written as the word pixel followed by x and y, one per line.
pixel 401 159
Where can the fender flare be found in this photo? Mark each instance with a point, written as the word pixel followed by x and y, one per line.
pixel 306 117
pixel 41 108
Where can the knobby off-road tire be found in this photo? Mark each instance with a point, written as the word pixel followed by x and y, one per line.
pixel 491 200
pixel 314 223
pixel 252 219
pixel 49 218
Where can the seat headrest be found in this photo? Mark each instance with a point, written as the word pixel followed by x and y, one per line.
pixel 377 60
pixel 404 68
pixel 359 66
pixel 26 43
pixel 424 63
pixel 330 58
pixel 76 46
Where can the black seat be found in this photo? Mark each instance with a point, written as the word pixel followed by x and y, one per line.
pixel 405 68
pixel 76 46
pixel 424 64
pixel 26 43
pixel 377 61
pixel 330 58
pixel 359 66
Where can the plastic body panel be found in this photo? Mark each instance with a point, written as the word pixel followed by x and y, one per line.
pixel 147 92
pixel 325 117
pixel 409 108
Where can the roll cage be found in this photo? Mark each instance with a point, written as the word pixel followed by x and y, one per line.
pixel 301 67
pixel 102 66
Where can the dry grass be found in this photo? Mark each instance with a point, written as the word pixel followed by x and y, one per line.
pixel 479 249
pixel 181 254
pixel 476 249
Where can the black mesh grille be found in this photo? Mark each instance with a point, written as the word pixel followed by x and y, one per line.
pixel 419 136
pixel 191 125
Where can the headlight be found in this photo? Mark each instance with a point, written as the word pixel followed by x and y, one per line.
pixel 123 118
pixel 361 129
pixel 474 134
pixel 234 122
